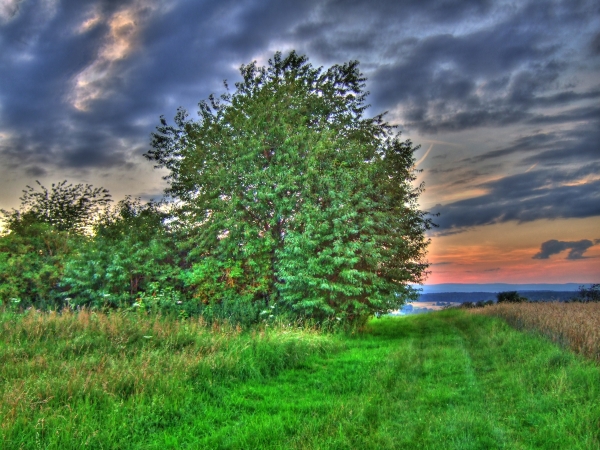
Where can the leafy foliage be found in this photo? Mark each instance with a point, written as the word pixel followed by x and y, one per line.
pixel 293 198
pixel 40 237
pixel 131 252
pixel 31 264
pixel 291 204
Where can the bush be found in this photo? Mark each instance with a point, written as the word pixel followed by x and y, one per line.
pixel 591 294
pixel 483 303
pixel 510 297
pixel 131 253
pixel 32 258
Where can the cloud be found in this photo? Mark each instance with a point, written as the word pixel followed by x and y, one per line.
pixel 36 171
pixel 8 10
pixel 555 174
pixel 553 247
pixel 87 81
pixel 577 144
pixel 522 145
pixel 495 269
pixel 524 198
pixel 123 28
pixel 509 72
pixel 424 156
pixel 595 45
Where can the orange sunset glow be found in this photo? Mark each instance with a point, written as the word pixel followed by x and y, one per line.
pixel 502 252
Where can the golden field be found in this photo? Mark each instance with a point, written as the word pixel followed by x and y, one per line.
pixel 576 325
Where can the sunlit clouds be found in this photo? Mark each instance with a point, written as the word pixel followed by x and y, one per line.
pixel 93 18
pixel 120 41
pixel 8 9
pixel 509 251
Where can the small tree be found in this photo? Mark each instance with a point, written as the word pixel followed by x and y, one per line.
pixel 40 237
pixel 64 207
pixel 510 297
pixel 293 198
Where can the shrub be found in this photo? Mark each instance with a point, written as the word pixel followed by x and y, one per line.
pixel 510 297
pixel 131 253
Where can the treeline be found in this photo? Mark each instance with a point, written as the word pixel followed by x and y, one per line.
pixel 584 295
pixel 473 297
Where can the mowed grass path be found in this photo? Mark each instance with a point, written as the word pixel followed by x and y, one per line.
pixel 447 380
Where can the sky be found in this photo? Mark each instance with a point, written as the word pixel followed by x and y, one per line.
pixel 502 96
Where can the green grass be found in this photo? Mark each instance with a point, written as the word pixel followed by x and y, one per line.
pixel 443 380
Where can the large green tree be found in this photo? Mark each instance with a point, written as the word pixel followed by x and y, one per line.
pixel 66 207
pixel 292 197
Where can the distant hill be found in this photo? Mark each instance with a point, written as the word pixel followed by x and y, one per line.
pixel 498 287
pixel 461 297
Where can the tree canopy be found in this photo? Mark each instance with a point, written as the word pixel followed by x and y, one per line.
pixel 292 198
pixel 65 207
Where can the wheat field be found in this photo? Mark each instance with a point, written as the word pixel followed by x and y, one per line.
pixel 576 325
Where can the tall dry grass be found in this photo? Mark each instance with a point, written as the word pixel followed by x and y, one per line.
pixel 576 325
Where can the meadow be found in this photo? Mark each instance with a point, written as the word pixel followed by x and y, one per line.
pixel 449 379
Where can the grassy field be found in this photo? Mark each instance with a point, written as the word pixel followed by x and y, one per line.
pixel 450 380
pixel 575 325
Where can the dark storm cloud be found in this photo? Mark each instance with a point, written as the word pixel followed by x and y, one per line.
pixel 495 76
pixel 525 197
pixel 35 171
pixel 38 69
pixel 522 145
pixel 595 45
pixel 180 56
pixel 432 10
pixel 579 144
pixel 553 247
pixel 574 115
